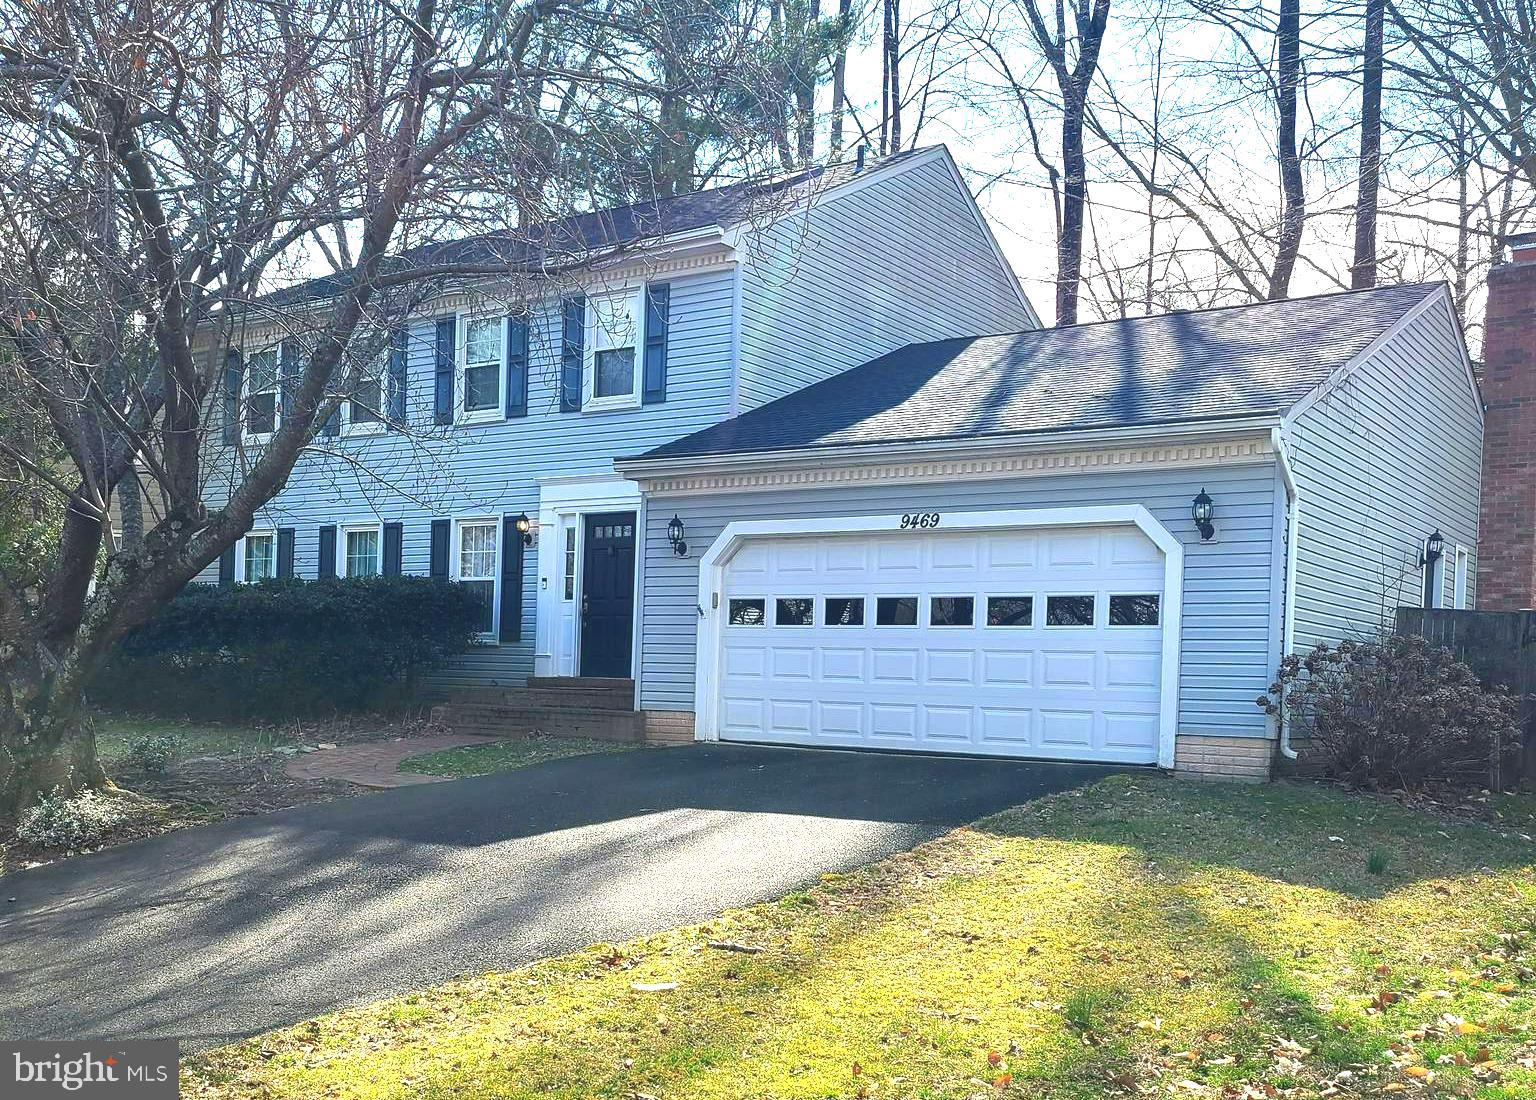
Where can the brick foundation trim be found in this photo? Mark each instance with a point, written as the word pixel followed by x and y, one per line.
pixel 1203 756
pixel 668 727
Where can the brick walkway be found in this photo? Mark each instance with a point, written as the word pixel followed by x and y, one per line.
pixel 374 763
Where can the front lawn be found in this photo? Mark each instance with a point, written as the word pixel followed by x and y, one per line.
pixel 1144 936
pixel 503 755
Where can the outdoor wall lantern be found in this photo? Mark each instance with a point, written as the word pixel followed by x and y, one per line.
pixel 1202 510
pixel 1434 548
pixel 675 533
pixel 524 527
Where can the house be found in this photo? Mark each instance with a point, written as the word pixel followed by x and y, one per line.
pixel 1507 572
pixel 484 416
pixel 1091 543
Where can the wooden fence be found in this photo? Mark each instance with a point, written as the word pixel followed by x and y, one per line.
pixel 1500 646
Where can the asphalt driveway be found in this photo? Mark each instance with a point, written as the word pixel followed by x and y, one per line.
pixel 213 933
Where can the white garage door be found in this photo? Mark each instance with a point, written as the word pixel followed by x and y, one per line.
pixel 1011 642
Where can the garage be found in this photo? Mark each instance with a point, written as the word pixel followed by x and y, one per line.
pixel 1005 634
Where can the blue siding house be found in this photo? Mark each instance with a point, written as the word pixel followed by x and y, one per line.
pixel 484 408
pixel 1088 543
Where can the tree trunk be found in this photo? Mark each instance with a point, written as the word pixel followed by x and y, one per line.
pixel 130 506
pixel 1362 272
pixel 46 738
pixel 893 71
pixel 840 78
pixel 1293 216
pixel 1069 245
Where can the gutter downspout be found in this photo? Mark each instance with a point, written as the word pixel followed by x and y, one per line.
pixel 1293 522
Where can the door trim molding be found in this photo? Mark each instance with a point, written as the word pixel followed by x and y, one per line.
pixel 726 545
pixel 566 497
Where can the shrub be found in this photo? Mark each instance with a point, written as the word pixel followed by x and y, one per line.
pixel 60 820
pixel 1394 712
pixel 152 753
pixel 289 649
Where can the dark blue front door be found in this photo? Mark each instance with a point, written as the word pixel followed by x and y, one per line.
pixel 608 594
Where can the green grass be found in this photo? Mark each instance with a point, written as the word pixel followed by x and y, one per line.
pixel 503 755
pixel 114 735
pixel 1143 937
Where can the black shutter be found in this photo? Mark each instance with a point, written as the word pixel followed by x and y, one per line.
pixel 511 581
pixel 227 568
pixel 573 340
pixel 442 371
pixel 285 553
pixel 517 365
pixel 437 565
pixel 658 307
pixel 327 552
pixel 288 355
pixel 232 373
pixel 394 535
pixel 396 382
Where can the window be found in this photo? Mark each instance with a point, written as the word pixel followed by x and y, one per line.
pixel 477 567
pixel 896 611
pixel 1463 567
pixel 951 611
pixel 794 611
pixel 258 558
pixel 570 562
pixel 1133 610
pixel 747 612
pixel 360 552
pixel 1010 610
pixel 1069 611
pixel 482 367
pixel 614 340
pixel 844 611
pixel 364 409
pixel 261 389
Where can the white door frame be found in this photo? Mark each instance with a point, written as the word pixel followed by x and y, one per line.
pixel 730 540
pixel 573 498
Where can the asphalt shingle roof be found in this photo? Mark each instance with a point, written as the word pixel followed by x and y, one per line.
pixel 1233 362
pixel 584 238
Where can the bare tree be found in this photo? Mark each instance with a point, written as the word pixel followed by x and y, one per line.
pixel 246 143
pixel 1363 271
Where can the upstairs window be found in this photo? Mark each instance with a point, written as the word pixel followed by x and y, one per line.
pixel 481 378
pixel 614 339
pixel 364 409
pixel 258 558
pixel 262 370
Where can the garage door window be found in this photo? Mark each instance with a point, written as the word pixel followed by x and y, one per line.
pixel 747 612
pixel 1069 611
pixel 896 611
pixel 1010 610
pixel 951 611
pixel 1133 610
pixel 844 611
pixel 794 611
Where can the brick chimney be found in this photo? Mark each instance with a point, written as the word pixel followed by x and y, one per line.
pixel 1506 566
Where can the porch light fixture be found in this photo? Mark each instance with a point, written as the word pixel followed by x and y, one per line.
pixel 524 527
pixel 675 533
pixel 1202 510
pixel 1434 548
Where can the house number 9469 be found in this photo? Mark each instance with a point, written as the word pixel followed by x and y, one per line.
pixel 919 519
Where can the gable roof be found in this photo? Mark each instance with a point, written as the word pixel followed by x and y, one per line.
pixel 1218 364
pixel 586 238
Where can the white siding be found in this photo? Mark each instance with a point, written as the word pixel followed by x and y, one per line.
pixel 1226 654
pixel 1392 453
pixel 898 262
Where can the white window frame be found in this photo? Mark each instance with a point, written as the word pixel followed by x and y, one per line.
pixel 631 400
pixel 461 365
pixel 455 564
pixel 342 531
pixel 1461 582
pixel 379 368
pixel 240 548
pixel 246 393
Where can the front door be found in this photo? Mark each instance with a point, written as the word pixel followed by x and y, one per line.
pixel 608 594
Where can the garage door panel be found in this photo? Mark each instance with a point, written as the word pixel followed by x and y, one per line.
pixel 1088 692
pixel 950 666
